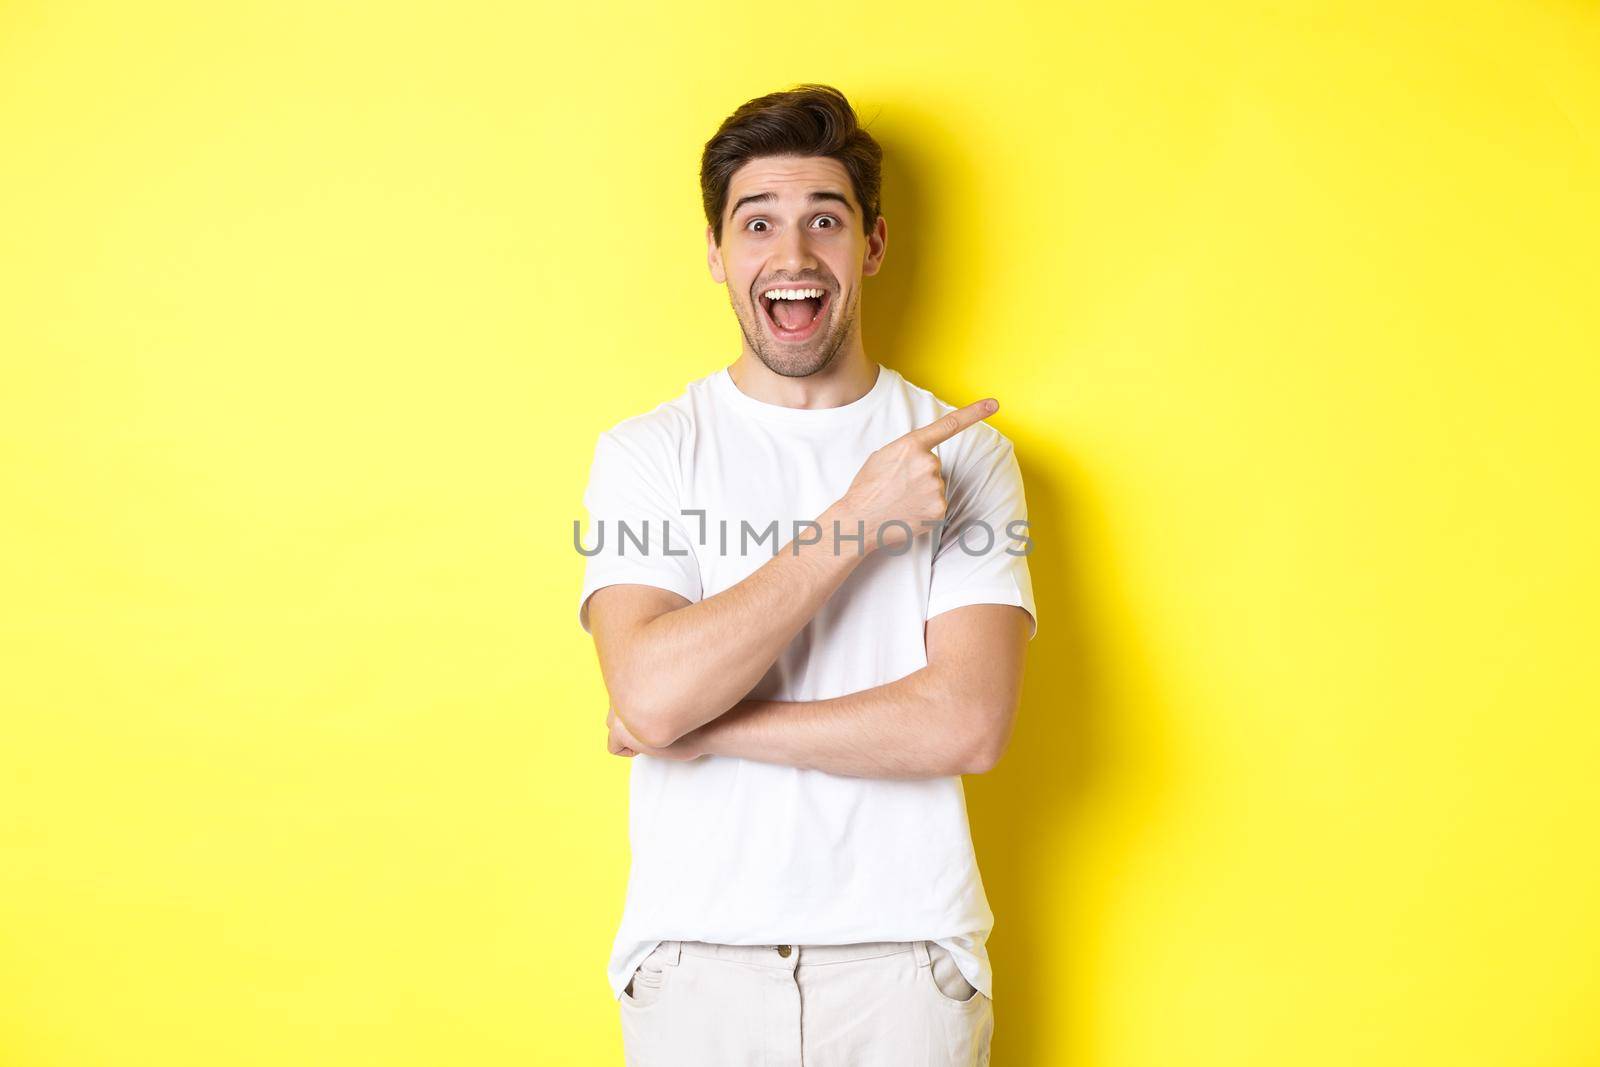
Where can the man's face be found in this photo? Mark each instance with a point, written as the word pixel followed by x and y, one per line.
pixel 792 222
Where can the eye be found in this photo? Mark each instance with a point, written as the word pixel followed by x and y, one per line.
pixel 830 218
pixel 752 222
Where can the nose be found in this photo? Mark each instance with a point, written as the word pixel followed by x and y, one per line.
pixel 794 253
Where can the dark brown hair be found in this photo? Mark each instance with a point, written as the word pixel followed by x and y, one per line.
pixel 807 120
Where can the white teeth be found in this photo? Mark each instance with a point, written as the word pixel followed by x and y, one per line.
pixel 793 294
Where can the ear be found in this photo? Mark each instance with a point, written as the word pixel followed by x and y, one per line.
pixel 714 258
pixel 877 244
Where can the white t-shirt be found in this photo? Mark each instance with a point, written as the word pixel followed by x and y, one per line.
pixel 744 852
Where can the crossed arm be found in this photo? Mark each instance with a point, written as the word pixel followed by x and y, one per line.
pixel 953 716
pixel 679 673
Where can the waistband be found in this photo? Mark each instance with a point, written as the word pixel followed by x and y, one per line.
pixel 775 956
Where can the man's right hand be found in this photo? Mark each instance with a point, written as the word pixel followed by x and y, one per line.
pixel 903 481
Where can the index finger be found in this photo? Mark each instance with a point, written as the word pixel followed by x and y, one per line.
pixel 952 423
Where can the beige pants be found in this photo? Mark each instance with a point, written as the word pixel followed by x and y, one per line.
pixel 878 1004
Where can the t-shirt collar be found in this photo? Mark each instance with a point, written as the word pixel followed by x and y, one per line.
pixel 723 382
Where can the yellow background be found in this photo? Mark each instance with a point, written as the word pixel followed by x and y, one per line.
pixel 310 314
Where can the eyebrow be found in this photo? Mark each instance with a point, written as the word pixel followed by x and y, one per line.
pixel 756 198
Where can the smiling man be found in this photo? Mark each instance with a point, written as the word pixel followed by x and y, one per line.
pixel 808 590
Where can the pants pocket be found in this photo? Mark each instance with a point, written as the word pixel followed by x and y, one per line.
pixel 949 984
pixel 649 981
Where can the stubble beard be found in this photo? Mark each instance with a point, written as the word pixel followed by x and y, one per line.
pixel 808 359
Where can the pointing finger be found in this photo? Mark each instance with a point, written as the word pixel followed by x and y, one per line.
pixel 952 423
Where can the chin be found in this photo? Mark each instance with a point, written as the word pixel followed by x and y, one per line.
pixel 799 365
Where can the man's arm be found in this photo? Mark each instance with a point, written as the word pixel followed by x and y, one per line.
pixel 953 716
pixel 671 666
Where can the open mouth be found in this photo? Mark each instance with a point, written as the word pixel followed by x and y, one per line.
pixel 794 314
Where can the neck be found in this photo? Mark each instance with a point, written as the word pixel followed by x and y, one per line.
pixel 846 379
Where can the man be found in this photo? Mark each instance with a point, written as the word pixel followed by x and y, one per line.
pixel 804 887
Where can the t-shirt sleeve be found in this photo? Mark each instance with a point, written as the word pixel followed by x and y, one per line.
pixel 631 503
pixel 982 553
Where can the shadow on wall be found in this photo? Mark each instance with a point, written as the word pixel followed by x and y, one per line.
pixel 1030 814
pixel 907 283
pixel 1062 768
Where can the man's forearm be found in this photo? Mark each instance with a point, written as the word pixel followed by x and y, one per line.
pixel 687 666
pixel 915 727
